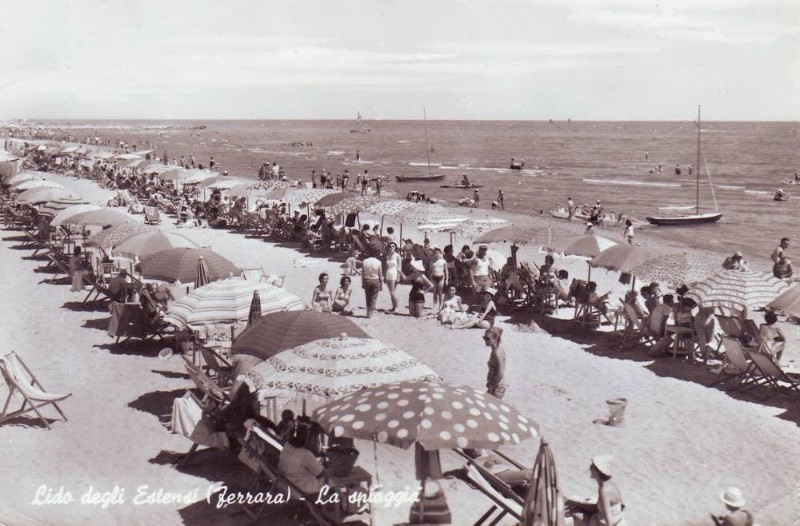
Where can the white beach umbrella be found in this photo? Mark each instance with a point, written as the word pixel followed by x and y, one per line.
pixel 71 211
pixel 36 183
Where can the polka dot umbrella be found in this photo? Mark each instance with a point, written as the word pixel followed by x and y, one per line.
pixel 435 415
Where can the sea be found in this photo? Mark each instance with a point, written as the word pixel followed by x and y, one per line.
pixel 614 162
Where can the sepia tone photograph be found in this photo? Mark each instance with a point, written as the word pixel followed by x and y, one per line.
pixel 508 262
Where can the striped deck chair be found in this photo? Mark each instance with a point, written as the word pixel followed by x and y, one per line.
pixel 773 376
pixel 20 379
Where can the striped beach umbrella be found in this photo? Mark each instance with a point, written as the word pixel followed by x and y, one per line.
pixel 331 368
pixel 145 243
pixel 544 504
pixel 181 264
pixel 229 301
pixel 109 237
pixel 436 415
pixel 283 330
pixel 738 290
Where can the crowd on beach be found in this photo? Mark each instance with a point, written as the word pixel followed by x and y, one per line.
pixel 466 289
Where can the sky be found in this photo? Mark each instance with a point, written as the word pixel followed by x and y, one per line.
pixel 471 59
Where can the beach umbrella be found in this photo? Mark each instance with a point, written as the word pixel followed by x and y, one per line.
pixel 544 505
pixel 173 174
pixel 21 178
pixel 255 308
pixel 516 235
pixel 35 183
pixel 181 264
pixel 284 330
pixel 105 216
pixel 149 242
pixel 589 246
pixel 44 194
pixel 738 290
pixel 332 199
pixel 277 194
pixel 306 196
pixel 787 301
pixel 109 237
pixel 55 207
pixel 624 257
pixel 201 276
pixel 389 207
pixel 351 205
pixel 323 369
pixel 436 415
pixel 677 269
pixel 222 182
pixel 259 189
pixel 229 301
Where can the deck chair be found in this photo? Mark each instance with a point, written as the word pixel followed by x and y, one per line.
pixel 501 505
pixel 731 327
pixel 151 215
pixel 736 366
pixel 633 325
pixel 187 415
pixel 19 378
pixel 772 374
pixel 218 368
pixel 752 332
pixel 259 450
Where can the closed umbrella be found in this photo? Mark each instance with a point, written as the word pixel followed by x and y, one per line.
pixel 738 290
pixel 334 367
pixel 544 505
pixel 105 217
pixel 145 243
pixel 283 330
pixel 181 264
pixel 787 301
pixel 255 309
pixel 109 237
pixel 435 415
pixel 229 301
pixel 201 276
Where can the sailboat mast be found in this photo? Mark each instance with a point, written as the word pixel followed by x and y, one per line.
pixel 427 148
pixel 697 192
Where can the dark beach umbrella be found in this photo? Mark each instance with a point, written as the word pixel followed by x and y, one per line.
pixel 275 332
pixel 544 505
pixel 255 309
pixel 332 199
pixel 180 264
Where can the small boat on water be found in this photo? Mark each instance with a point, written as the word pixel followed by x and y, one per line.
pixel 462 186
pixel 418 178
pixel 697 218
pixel 516 165
pixel 780 195
pixel 791 181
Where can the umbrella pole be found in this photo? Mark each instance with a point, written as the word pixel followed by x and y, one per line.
pixel 401 234
pixel 633 282
pixel 382 223
pixel 589 277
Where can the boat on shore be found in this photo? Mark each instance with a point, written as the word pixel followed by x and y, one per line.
pixel 418 178
pixel 697 218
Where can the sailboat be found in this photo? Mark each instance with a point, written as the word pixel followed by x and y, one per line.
pixel 697 218
pixel 359 128
pixel 421 178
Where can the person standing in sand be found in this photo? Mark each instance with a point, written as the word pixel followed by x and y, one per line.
pixel 780 250
pixel 628 234
pixel 476 198
pixel 501 198
pixel 495 378
pixel 371 280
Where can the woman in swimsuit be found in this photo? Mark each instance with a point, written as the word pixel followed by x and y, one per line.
pixel 484 317
pixel 321 299
pixel 393 265
pixel 495 378
pixel 452 308
pixel 608 510
pixel 773 340
pixel 438 277
pixel 341 298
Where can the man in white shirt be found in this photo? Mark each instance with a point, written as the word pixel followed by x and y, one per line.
pixel 479 268
pixel 372 280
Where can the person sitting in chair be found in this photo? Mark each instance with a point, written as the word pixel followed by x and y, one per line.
pixel 119 287
pixel 599 302
pixel 300 466
pixel 773 340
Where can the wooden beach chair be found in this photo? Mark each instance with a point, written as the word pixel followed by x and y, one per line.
pixel 20 379
pixel 217 367
pixel 736 366
pixel 206 385
pixel 772 375
pixel 502 505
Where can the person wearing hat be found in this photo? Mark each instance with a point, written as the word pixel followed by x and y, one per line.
pixel 735 262
pixel 737 516
pixel 483 315
pixel 608 509
pixel 420 284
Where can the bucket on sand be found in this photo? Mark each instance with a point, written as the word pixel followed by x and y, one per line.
pixel 616 410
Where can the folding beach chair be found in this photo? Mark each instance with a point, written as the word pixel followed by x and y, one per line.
pixel 187 420
pixel 732 327
pixel 772 374
pixel 217 367
pixel 207 386
pixel 736 366
pixel 502 505
pixel 19 378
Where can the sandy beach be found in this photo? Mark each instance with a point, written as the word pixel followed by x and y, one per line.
pixel 682 444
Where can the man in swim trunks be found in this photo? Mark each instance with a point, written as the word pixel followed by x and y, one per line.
pixel 480 271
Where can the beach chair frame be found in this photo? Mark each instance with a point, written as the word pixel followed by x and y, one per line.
pixel 773 375
pixel 8 364
pixel 736 366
